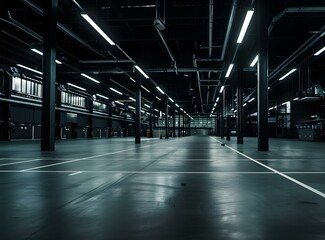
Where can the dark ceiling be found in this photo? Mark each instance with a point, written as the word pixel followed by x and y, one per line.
pixel 188 62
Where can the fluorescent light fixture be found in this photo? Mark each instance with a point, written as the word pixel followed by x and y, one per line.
pixel 160 90
pixel 131 107
pixel 132 99
pixel 295 99
pixel 221 89
pixel 254 61
pixel 176 105
pixel 217 99
pixel 156 110
pixel 251 100
pixel 98 29
pixel 268 88
pixel 90 78
pixel 147 105
pixel 286 75
pixel 99 95
pixel 40 53
pixel 141 71
pixel 215 105
pixel 181 109
pixel 118 102
pixel 158 98
pixel 243 30
pixel 114 90
pixel 171 99
pixel 75 86
pixel 244 104
pixel 145 89
pixel 30 69
pixel 229 70
pixel 235 110
pixel 132 80
pixel 320 51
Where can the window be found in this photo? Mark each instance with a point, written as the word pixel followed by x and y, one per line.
pixel 73 99
pixel 26 87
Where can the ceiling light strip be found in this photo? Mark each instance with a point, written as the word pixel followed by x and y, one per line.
pixel 141 71
pixel 97 28
pixel 286 75
pixel 243 30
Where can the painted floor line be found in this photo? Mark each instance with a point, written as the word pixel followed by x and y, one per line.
pixel 276 171
pixel 85 158
pixel 75 173
pixel 14 163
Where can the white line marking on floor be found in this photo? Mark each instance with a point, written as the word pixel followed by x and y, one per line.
pixel 32 160
pixel 277 172
pixel 75 173
pixel 80 159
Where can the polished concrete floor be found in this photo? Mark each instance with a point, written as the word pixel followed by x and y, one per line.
pixel 180 188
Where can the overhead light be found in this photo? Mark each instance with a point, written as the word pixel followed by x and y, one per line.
pixel 40 53
pixel 147 105
pixel 295 99
pixel 235 110
pixel 244 104
pixel 132 99
pixel 286 75
pixel 176 105
pixel 243 30
pixel 90 78
pixel 215 105
pixel 132 80
pixel 145 89
pixel 229 70
pixel 320 51
pixel 131 107
pixel 156 110
pixel 251 100
pixel 160 90
pixel 181 109
pixel 114 90
pixel 30 69
pixel 75 86
pixel 254 61
pixel 141 71
pixel 98 29
pixel 158 98
pixel 221 89
pixel 217 99
pixel 118 102
pixel 101 96
pixel 268 88
pixel 171 99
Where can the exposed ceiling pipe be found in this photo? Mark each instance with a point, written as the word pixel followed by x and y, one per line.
pixel 230 23
pixel 210 40
pixel 198 82
pixel 105 61
pixel 278 17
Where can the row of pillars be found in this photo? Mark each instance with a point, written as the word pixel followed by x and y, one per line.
pixel 262 85
pixel 49 79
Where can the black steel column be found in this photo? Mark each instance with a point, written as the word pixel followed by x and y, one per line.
pixel 49 75
pixel 137 129
pixel 179 124
pixel 58 122
pixel 228 128
pixel 222 119
pixel 240 108
pixel 174 124
pixel 8 130
pixel 90 119
pixel 218 125
pixel 183 125
pixel 151 121
pixel 262 74
pixel 166 121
